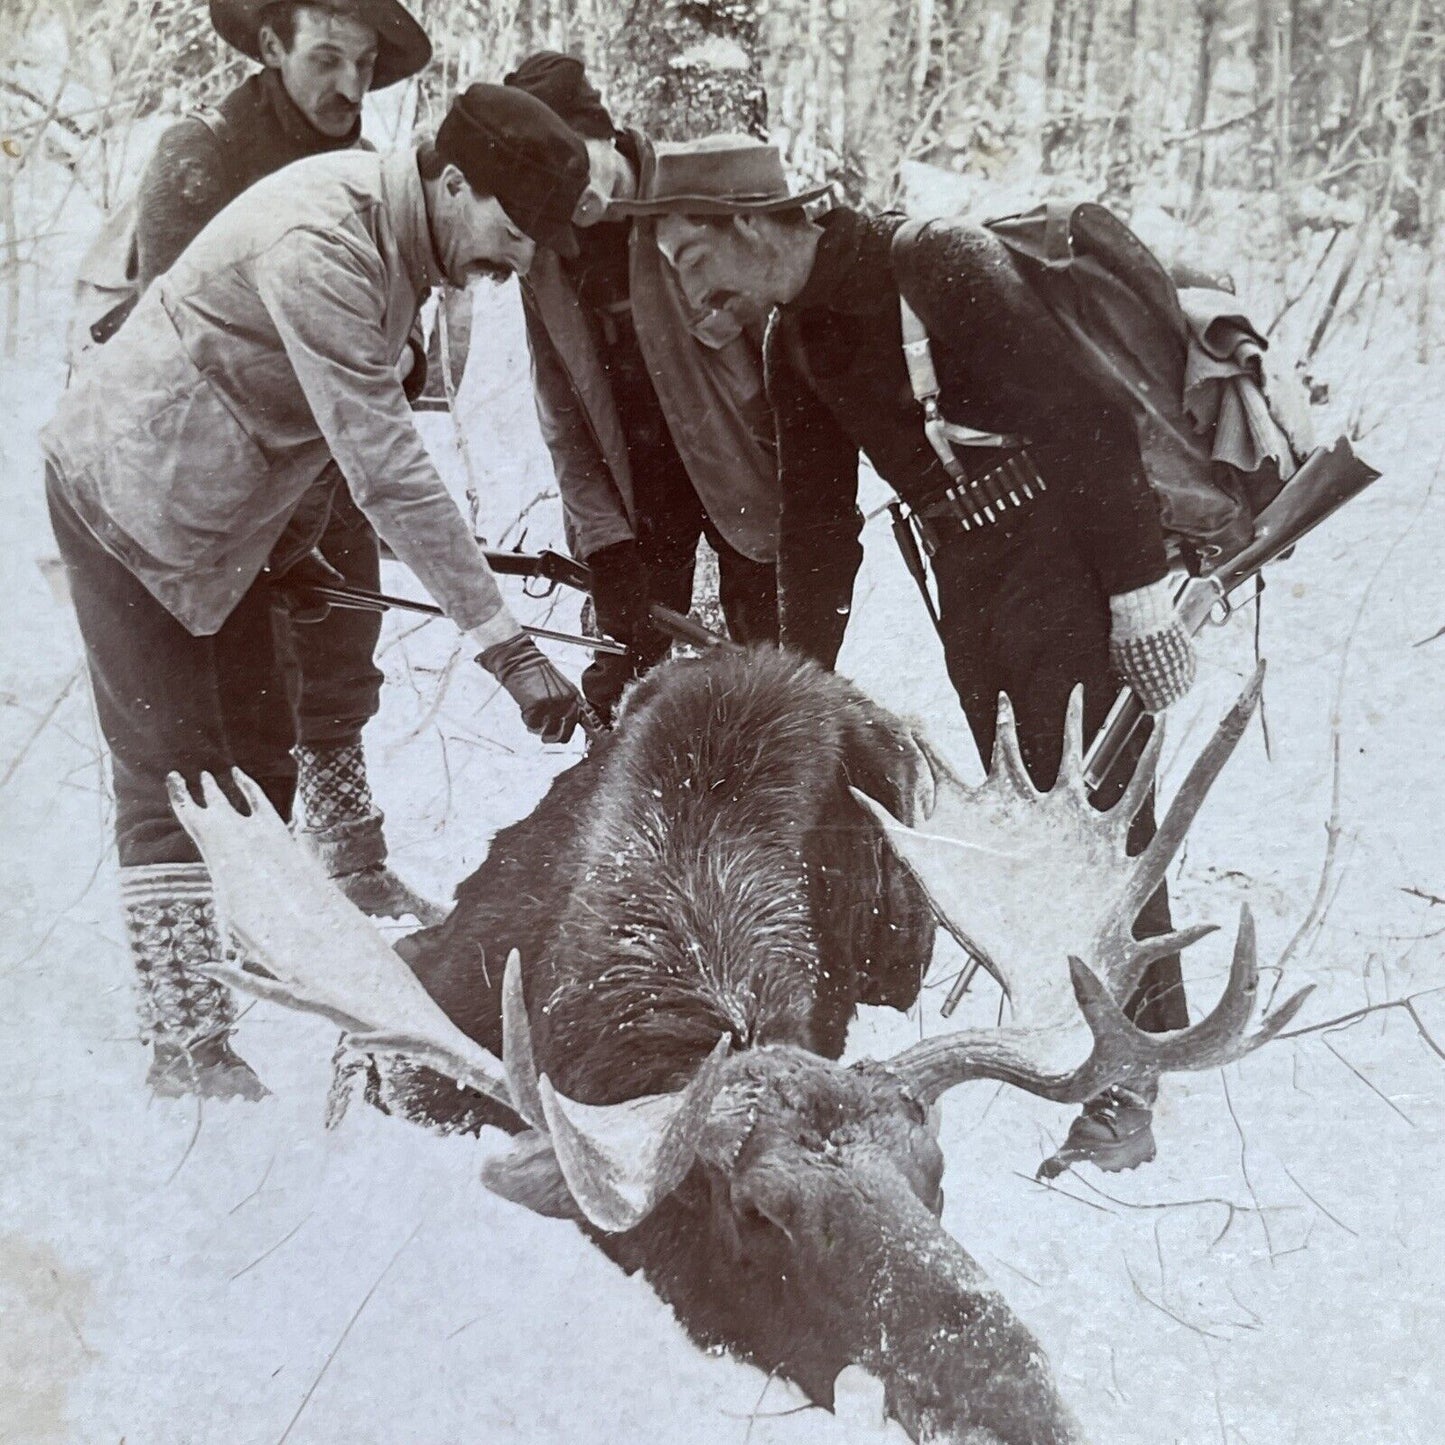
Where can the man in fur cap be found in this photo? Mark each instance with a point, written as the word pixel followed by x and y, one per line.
pixel 653 411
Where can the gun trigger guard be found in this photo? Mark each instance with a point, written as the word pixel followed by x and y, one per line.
pixel 538 587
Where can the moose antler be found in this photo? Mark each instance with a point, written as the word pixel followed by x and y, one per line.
pixel 1041 888
pixel 324 957
pixel 323 954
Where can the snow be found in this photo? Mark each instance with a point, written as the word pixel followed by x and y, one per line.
pixel 173 1275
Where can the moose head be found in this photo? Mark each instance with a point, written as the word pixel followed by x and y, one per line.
pixel 787 1205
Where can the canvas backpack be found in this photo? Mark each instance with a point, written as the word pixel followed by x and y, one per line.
pixel 1113 297
pixel 107 285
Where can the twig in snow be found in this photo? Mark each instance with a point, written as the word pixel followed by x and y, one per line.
pixel 45 720
pixel 753 1414
pixel 1164 1309
pixel 1244 1167
pixel 261 1258
pixel 1430 898
pixel 1318 905
pixel 1333 1218
pixel 1227 1204
pixel 1345 1020
pixel 1054 1189
pixel 195 1134
pixel 260 1185
pixel 336 1348
pixel 1368 1083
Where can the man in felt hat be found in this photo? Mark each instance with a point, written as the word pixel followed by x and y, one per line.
pixel 195 450
pixel 318 60
pixel 1047 549
pixel 654 413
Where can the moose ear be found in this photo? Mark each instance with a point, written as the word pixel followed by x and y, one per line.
pixel 528 1174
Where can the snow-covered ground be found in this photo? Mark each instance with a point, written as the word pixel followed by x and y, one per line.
pixel 171 1275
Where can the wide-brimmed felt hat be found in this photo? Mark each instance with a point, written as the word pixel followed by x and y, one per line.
pixel 719 175
pixel 560 82
pixel 508 144
pixel 402 46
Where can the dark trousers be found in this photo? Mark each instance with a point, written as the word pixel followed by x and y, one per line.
pixel 170 702
pixel 332 674
pixel 671 520
pixel 1022 613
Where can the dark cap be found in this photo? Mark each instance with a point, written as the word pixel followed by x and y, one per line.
pixel 402 46
pixel 511 146
pixel 560 83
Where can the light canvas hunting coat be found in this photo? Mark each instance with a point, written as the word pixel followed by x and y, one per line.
pixel 269 348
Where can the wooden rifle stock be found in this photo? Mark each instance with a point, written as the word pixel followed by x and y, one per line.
pixel 1327 479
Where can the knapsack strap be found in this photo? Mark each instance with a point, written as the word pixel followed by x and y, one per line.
pixel 923 376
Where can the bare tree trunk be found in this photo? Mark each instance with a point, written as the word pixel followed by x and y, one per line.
pixel 687 68
pixel 1209 13
pixel 1430 208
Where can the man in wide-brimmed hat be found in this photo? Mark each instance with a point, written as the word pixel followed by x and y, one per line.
pixel 654 413
pixel 196 450
pixel 318 61
pixel 1046 542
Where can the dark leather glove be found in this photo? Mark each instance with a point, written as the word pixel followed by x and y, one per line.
pixel 289 587
pixel 604 679
pixel 549 704
pixel 1149 646
pixel 620 592
pixel 413 368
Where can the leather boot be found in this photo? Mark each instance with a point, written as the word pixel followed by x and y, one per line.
pixel 184 1016
pixel 342 828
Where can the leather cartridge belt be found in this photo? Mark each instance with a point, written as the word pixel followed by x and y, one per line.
pixel 979 502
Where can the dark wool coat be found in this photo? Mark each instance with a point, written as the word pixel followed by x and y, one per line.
pixel 839 385
pixel 193 175
pixel 645 418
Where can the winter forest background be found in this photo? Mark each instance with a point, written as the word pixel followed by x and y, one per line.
pixel 1320 124
pixel 172 1275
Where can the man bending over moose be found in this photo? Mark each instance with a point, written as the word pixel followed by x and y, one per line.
pixel 197 446
pixel 1045 538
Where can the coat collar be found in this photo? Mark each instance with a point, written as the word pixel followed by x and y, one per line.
pixel 853 250
pixel 405 200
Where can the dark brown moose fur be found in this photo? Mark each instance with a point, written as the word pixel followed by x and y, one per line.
pixel 703 871
pixel 706 872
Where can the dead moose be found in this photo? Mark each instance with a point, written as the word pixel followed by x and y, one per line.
pixel 689 920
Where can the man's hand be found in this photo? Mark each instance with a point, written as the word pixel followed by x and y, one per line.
pixel 549 704
pixel 312 570
pixel 411 368
pixel 1149 646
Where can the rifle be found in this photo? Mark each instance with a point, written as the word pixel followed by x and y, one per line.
pixel 555 567
pixel 362 599
pixel 1328 478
